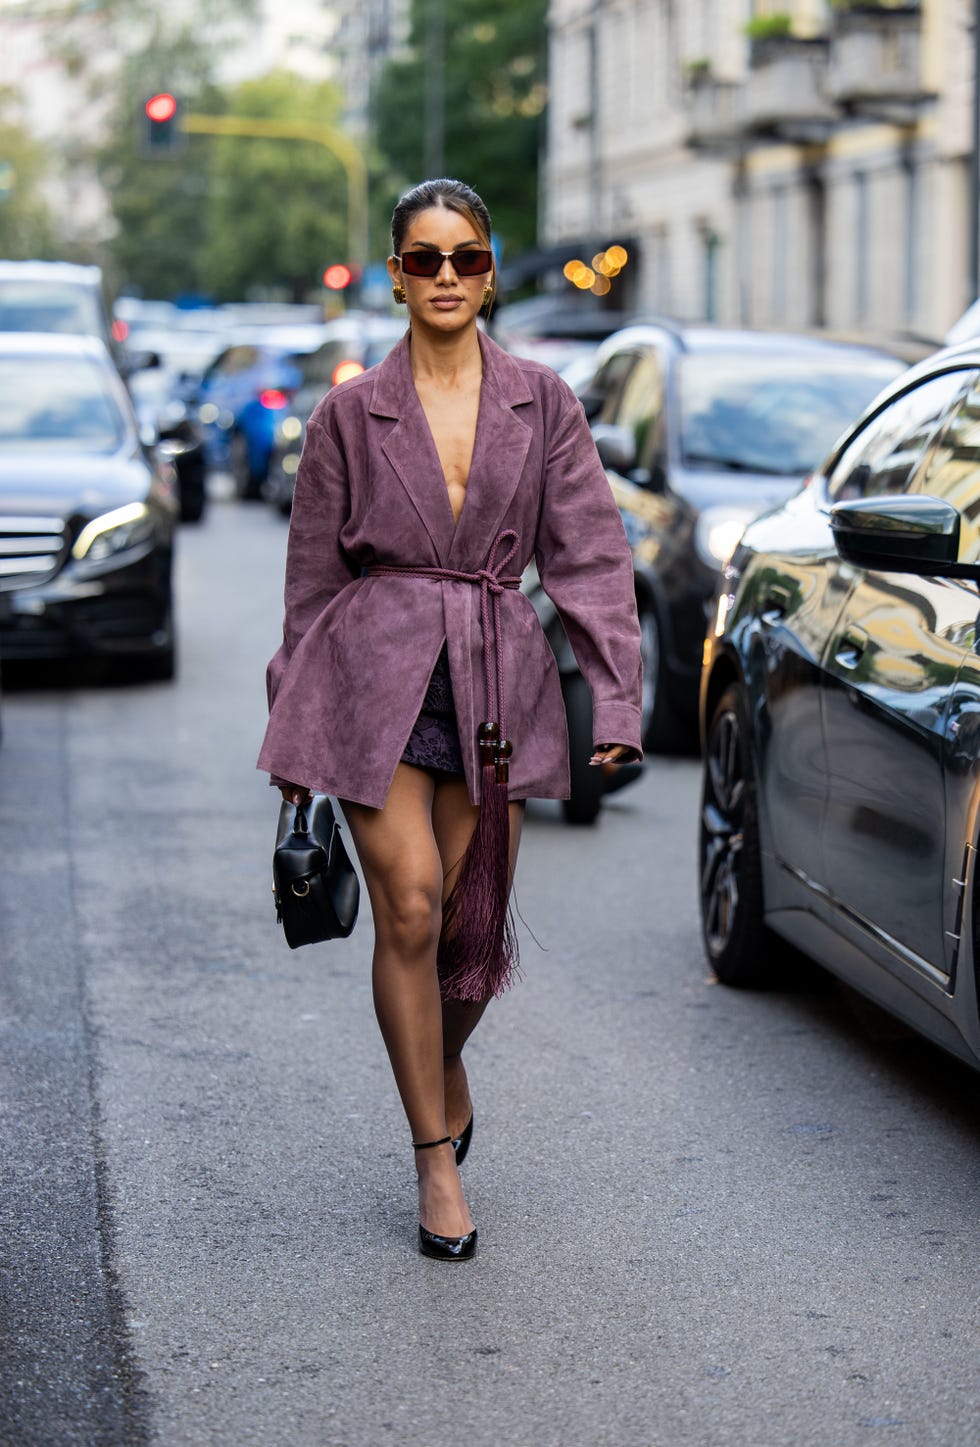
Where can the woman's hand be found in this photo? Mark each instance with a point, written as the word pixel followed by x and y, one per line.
pixel 295 793
pixel 611 753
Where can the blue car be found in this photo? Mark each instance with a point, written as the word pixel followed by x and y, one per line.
pixel 244 393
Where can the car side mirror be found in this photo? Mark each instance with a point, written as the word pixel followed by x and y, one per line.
pixel 900 534
pixel 616 447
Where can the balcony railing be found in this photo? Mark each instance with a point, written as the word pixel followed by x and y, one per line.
pixel 713 113
pixel 784 97
pixel 874 60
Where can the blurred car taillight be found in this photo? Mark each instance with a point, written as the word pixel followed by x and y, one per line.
pixel 273 398
pixel 345 370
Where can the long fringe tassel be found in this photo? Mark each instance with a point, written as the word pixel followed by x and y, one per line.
pixel 478 951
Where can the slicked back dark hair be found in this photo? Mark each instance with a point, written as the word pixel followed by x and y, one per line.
pixel 453 196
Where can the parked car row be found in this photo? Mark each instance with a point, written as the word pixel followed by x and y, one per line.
pixel 817 506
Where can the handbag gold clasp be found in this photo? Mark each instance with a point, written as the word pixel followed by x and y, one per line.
pixel 302 889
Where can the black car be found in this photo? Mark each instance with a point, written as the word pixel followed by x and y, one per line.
pixel 86 514
pixel 702 428
pixel 840 713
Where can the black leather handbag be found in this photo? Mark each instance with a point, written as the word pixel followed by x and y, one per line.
pixel 315 887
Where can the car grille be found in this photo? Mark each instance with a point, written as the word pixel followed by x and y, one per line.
pixel 31 549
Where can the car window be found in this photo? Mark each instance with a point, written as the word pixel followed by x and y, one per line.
pixel 40 306
pixel 62 404
pixel 775 412
pixel 885 455
pixel 607 385
pixel 953 469
pixel 641 393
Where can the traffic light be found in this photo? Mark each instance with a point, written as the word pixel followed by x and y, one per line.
pixel 161 132
pixel 338 276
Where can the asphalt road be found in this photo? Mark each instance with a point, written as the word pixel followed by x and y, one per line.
pixel 705 1217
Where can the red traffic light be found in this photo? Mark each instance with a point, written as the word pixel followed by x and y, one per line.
pixel 162 107
pixel 338 276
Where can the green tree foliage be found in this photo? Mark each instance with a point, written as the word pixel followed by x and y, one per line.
pixel 227 216
pixel 494 98
pixel 26 227
pixel 277 212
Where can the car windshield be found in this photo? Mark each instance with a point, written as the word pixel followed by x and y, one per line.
pixel 60 403
pixel 36 306
pixel 776 413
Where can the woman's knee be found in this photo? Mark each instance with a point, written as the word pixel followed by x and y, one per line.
pixel 410 919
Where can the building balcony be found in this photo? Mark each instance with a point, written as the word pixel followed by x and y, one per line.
pixel 712 113
pixel 874 66
pixel 784 98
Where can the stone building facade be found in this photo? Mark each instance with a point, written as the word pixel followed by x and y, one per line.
pixel 804 163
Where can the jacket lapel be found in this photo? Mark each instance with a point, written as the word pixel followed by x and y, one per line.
pixel 410 449
pixel 500 450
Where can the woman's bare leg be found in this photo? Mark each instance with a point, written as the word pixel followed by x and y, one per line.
pixel 453 821
pixel 403 870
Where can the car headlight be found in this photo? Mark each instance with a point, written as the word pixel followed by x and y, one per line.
pixel 718 531
pixel 113 532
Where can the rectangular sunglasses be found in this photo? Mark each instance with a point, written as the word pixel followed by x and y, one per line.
pixel 465 261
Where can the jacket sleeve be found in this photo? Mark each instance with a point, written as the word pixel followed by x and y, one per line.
pixel 586 568
pixel 316 565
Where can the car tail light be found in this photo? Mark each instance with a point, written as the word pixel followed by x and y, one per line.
pixel 120 330
pixel 345 370
pixel 273 398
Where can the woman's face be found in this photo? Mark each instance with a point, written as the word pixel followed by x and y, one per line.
pixel 446 302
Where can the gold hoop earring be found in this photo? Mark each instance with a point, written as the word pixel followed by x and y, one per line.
pixel 398 292
pixel 488 293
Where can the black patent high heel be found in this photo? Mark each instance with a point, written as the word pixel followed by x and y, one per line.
pixel 444 1248
pixel 461 1143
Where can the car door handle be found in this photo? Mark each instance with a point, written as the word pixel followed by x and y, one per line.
pixel 852 646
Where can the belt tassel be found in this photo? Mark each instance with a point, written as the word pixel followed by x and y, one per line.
pixel 478 950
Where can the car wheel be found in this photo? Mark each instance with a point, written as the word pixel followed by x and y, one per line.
pixel 587 783
pixel 662 732
pixel 738 944
pixel 247 485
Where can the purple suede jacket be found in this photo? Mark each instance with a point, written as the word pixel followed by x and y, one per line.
pixel 346 686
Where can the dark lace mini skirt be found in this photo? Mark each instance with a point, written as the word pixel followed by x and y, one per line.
pixel 434 741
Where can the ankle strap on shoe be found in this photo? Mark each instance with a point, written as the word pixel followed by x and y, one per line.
pixel 427 1145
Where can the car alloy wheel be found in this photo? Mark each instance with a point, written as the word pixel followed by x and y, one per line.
pixel 737 942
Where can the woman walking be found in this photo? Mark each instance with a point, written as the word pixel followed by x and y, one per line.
pixel 414 682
